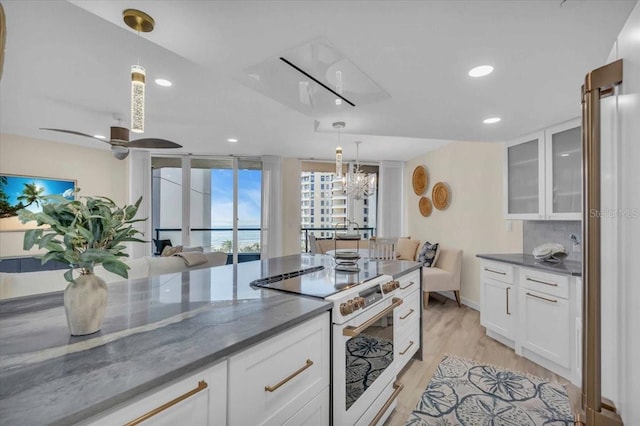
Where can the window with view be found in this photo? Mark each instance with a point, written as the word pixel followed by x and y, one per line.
pixel 334 207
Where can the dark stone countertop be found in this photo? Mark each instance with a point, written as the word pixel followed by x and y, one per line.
pixel 155 330
pixel 567 267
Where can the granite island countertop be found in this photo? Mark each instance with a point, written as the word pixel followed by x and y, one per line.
pixel 155 330
pixel 567 267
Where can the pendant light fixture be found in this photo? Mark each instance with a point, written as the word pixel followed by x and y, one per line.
pixel 359 184
pixel 141 22
pixel 338 125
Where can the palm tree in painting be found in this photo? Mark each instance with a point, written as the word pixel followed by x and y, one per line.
pixel 30 194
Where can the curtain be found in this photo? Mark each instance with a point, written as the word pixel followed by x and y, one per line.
pixel 140 186
pixel 272 208
pixel 390 199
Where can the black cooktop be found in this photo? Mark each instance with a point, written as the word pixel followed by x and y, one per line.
pixel 319 281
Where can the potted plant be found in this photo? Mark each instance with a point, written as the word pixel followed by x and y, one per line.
pixel 83 233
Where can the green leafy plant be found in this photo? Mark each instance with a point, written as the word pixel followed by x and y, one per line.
pixel 83 233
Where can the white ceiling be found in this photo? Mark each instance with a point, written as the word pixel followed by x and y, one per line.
pixel 67 66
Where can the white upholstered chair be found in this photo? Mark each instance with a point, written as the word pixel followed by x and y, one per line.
pixel 444 276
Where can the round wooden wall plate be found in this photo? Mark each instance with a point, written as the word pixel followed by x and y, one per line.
pixel 440 195
pixel 425 206
pixel 419 180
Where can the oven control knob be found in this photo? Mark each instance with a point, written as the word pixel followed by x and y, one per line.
pixel 387 287
pixel 355 303
pixel 396 284
pixel 346 308
pixel 361 302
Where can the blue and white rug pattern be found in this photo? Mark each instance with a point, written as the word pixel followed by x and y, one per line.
pixel 464 393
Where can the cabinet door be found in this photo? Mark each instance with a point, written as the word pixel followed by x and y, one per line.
pixel 497 307
pixel 524 178
pixel 563 171
pixel 546 326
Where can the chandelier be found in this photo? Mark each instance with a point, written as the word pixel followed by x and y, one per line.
pixel 355 182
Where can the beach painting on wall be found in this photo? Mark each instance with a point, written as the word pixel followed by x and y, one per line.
pixel 26 192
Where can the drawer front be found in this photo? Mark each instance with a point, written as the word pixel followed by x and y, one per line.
pixel 409 283
pixel 315 413
pixel 552 284
pixel 199 399
pixel 498 271
pixel 407 344
pixel 270 382
pixel 408 311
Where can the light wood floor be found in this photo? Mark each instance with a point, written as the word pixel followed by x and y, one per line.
pixel 448 329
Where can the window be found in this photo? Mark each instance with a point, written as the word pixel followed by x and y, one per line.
pixel 336 208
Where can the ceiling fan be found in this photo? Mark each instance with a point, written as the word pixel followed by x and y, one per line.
pixel 120 143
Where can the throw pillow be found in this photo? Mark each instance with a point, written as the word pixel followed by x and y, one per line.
pixel 407 249
pixel 170 251
pixel 428 254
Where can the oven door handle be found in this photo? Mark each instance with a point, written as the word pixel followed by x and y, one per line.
pixel 354 331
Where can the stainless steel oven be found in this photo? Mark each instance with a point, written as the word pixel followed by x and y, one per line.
pixel 364 368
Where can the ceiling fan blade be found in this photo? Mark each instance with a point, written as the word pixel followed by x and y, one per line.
pixel 74 133
pixel 151 143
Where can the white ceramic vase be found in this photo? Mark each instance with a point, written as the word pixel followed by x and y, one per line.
pixel 85 301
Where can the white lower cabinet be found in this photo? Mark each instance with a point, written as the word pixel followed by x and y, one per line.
pixel 272 381
pixel 406 319
pixel 198 400
pixel 535 313
pixel 283 380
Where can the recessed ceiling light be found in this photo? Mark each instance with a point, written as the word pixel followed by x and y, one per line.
pixel 163 82
pixel 232 140
pixel 491 120
pixel 481 71
pixel 564 154
pixel 99 136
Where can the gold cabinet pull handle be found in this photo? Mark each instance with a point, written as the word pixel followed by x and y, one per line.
pixel 397 386
pixel 495 272
pixel 407 286
pixel 308 364
pixel 410 312
pixel 405 351
pixel 202 385
pixel 354 331
pixel 542 282
pixel 542 298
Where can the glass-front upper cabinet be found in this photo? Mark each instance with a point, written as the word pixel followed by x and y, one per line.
pixel 564 171
pixel 525 177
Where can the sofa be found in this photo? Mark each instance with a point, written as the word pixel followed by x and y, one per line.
pixel 28 283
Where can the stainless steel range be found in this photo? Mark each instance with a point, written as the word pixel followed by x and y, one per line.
pixel 364 366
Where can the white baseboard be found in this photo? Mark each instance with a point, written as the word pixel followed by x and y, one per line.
pixel 463 300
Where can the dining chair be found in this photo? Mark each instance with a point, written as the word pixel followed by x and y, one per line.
pixel 312 244
pixel 382 248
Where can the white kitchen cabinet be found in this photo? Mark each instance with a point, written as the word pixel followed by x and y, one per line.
pixel 497 301
pixel 497 308
pixel 198 400
pixel 524 178
pixel 406 320
pixel 534 312
pixel 272 381
pixel 542 179
pixel 563 162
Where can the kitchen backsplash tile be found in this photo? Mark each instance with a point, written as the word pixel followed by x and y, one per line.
pixel 538 232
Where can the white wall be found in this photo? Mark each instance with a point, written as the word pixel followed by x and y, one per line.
pixel 474 220
pixel 95 170
pixel 621 229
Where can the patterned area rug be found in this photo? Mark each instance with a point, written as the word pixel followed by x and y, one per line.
pixel 465 393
